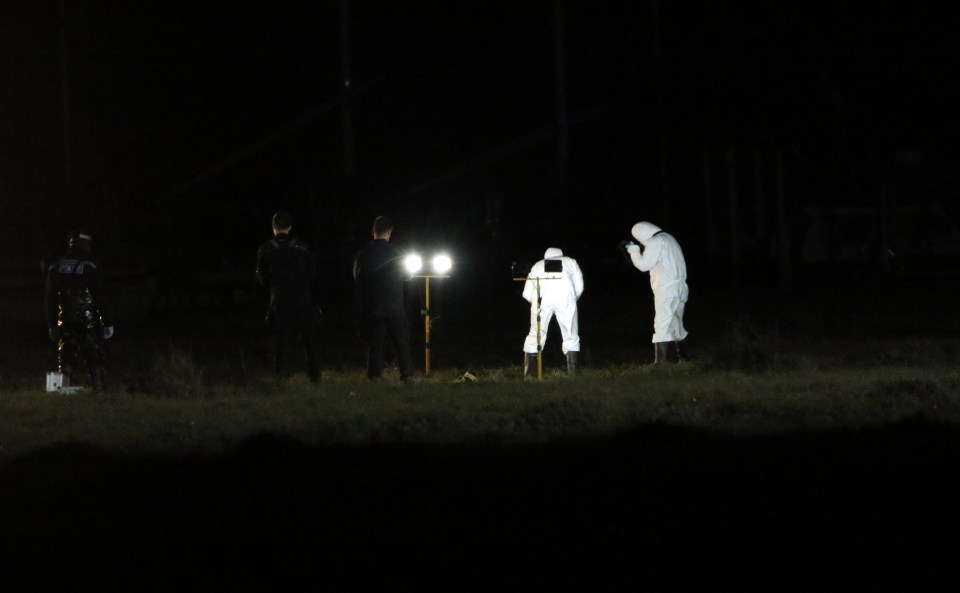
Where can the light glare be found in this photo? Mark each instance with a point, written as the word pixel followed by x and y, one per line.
pixel 442 264
pixel 413 263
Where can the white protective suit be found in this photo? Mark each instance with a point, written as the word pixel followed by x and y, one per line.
pixel 558 297
pixel 663 258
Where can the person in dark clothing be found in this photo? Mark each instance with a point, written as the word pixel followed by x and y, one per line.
pixel 379 279
pixel 287 267
pixel 77 313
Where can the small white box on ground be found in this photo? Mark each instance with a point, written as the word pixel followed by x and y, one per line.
pixel 56 381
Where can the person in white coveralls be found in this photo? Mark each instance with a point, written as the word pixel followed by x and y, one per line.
pixel 662 257
pixel 561 284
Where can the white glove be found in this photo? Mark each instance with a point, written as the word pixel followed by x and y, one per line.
pixel 633 248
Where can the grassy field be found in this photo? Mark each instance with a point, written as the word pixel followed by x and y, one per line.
pixel 778 459
pixel 205 395
pixel 191 413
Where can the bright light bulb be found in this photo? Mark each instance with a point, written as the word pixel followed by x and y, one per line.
pixel 442 264
pixel 413 263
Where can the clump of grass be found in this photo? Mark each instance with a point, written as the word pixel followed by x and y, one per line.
pixel 559 417
pixel 176 374
pixel 750 349
pixel 6 382
pixel 903 351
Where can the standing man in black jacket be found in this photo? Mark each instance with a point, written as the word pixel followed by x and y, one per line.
pixel 288 268
pixel 77 313
pixel 379 278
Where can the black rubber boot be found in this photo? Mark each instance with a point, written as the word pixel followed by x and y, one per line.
pixel 529 366
pixel 67 371
pixel 661 353
pixel 573 363
pixel 96 378
pixel 680 351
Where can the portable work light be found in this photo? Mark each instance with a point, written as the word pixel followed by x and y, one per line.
pixel 440 266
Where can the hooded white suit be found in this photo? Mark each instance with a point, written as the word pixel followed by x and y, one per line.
pixel 663 258
pixel 558 297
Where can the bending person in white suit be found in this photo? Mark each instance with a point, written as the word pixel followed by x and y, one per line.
pixel 561 284
pixel 662 257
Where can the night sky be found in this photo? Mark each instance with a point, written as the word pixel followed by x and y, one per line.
pixel 188 125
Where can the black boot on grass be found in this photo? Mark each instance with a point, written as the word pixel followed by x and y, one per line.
pixel 661 353
pixel 529 366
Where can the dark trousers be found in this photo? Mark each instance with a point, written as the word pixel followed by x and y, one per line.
pixel 378 329
pixel 81 345
pixel 296 331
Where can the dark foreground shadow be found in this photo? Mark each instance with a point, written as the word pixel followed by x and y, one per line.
pixel 659 508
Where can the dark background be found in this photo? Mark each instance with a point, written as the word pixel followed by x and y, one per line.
pixel 773 139
pixel 804 154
